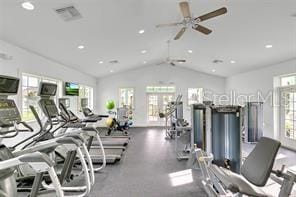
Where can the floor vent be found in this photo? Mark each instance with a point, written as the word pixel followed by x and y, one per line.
pixel 68 13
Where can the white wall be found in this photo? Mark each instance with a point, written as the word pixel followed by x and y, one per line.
pixel 25 61
pixel 261 80
pixel 108 87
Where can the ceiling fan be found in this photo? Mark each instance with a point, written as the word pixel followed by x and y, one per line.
pixel 191 22
pixel 170 61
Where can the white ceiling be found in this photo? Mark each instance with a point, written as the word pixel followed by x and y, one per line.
pixel 109 31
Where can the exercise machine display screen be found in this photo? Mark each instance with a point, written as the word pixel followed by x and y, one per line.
pixel 48 89
pixel 48 107
pixel 8 112
pixel 8 85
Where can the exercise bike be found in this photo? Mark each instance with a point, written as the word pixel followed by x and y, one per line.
pixel 119 121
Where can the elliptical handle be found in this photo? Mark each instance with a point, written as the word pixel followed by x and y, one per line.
pixel 36 117
pixel 27 126
pixel 64 110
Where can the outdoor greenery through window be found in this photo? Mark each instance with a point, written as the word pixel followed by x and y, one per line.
pixel 195 95
pixel 30 87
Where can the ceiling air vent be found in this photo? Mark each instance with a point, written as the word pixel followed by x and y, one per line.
pixel 217 61
pixel 113 62
pixel 68 13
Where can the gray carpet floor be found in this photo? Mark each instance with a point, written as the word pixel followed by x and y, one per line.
pixel 149 168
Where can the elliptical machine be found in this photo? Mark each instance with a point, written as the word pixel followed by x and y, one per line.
pixel 10 161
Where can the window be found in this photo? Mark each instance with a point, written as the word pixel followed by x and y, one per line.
pixel 194 95
pixel 126 97
pixel 85 92
pixel 30 87
pixel 160 89
pixel 289 111
pixel 288 80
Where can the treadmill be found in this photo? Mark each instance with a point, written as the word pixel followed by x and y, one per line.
pixel 49 108
pixel 112 142
pixel 107 139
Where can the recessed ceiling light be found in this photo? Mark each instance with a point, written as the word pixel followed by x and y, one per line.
pixel 143 51
pixel 144 62
pixel 141 31
pixel 80 47
pixel 213 70
pixel 190 51
pixel 111 71
pixel 28 5
pixel 268 46
pixel 101 62
pixel 232 62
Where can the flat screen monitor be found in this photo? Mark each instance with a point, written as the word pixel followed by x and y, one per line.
pixel 71 89
pixel 47 89
pixel 8 85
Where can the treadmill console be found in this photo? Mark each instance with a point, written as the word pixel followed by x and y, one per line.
pixel 9 113
pixel 51 107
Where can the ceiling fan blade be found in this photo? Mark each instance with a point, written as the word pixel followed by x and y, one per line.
pixel 168 25
pixel 172 64
pixel 178 60
pixel 184 6
pixel 180 33
pixel 211 14
pixel 202 29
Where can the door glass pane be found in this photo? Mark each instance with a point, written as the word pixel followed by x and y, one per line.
pixel 153 108
pixel 289 101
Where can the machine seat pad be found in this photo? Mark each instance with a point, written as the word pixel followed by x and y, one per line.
pixel 258 165
pixel 237 183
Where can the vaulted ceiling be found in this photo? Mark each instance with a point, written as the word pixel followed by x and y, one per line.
pixel 109 30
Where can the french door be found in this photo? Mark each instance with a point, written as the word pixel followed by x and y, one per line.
pixel 288 116
pixel 157 103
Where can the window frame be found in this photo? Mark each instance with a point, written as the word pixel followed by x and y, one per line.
pixel 283 119
pixel 119 98
pixel 159 95
pixel 90 96
pixel 200 99
pixel 40 78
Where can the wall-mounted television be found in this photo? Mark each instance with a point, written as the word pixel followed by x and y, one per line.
pixel 71 89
